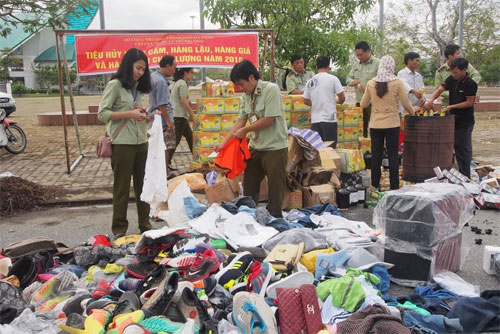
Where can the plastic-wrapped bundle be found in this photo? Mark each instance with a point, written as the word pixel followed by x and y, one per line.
pixel 424 214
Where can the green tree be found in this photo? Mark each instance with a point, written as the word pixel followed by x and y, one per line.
pixel 307 27
pixel 33 14
pixel 47 76
pixel 19 88
pixel 7 59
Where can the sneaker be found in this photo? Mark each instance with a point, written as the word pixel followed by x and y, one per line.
pixel 182 285
pixel 293 281
pixel 209 284
pixel 192 308
pixel 181 262
pixel 189 243
pixel 102 289
pixel 259 277
pixel 25 269
pixel 161 299
pixel 171 167
pixel 74 305
pixel 246 316
pixel 160 324
pixel 129 284
pixel 205 264
pixel 235 269
pixel 135 329
pixel 221 298
pixel 141 269
pixel 201 248
pixel 153 279
pixel 128 302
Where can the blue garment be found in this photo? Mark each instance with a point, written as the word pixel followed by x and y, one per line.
pixel 280 224
pixel 431 324
pixel 244 208
pixel 429 291
pixel 317 209
pixel 385 278
pixel 330 261
pixel 77 270
pixel 477 314
pixel 435 305
pixel 193 207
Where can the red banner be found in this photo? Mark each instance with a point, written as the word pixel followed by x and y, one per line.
pixel 99 54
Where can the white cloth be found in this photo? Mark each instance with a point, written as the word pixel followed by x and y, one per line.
pixel 411 80
pixel 321 90
pixel 243 231
pixel 331 314
pixel 385 72
pixel 210 221
pixel 154 189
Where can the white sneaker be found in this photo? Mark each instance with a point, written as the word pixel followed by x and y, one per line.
pixel 295 280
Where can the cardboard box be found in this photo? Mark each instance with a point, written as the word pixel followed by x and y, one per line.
pixel 301 119
pixel 298 103
pixel 211 105
pixel 205 139
pixel 201 154
pixel 351 145
pixel 286 101
pixel 207 122
pixel 232 105
pixel 292 199
pixel 225 190
pixel 217 88
pixel 340 119
pixel 330 159
pixel 365 144
pixel 324 193
pixel 196 164
pixel 351 133
pixel 227 121
pixel 223 135
pixel 288 118
pixel 351 117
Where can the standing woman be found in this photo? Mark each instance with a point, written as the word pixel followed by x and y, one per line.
pixel 385 91
pixel 122 109
pixel 182 108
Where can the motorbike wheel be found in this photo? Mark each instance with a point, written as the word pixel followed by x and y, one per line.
pixel 17 139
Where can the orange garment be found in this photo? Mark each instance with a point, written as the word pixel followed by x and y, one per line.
pixel 232 158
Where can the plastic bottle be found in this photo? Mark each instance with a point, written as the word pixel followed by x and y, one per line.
pixel 368 160
pixel 361 190
pixel 385 160
pixel 353 196
pixel 343 198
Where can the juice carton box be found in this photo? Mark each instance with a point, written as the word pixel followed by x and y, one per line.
pixel 205 139
pixel 351 133
pixel 217 88
pixel 340 118
pixel 340 135
pixel 351 117
pixel 287 103
pixel 351 145
pixel 301 119
pixel 288 118
pixel 223 135
pixel 196 164
pixel 227 121
pixel 201 154
pixel 232 105
pixel 365 144
pixel 207 122
pixel 298 103
pixel 211 105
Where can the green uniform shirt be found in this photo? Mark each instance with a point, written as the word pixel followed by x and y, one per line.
pixel 444 72
pixel 362 72
pixel 266 102
pixel 180 89
pixel 116 98
pixel 296 81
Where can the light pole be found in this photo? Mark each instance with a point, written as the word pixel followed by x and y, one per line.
pixel 202 26
pixel 192 21
pixel 381 27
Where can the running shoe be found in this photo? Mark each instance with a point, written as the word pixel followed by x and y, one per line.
pixel 205 264
pixel 259 277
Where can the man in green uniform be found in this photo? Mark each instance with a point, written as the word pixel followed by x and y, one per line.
pixel 452 52
pixel 361 72
pixel 268 135
pixel 297 78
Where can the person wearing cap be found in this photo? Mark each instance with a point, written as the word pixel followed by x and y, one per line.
pixel 385 92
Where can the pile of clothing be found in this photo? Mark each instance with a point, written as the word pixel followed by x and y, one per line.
pixel 231 269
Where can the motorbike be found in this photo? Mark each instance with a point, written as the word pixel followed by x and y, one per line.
pixel 12 137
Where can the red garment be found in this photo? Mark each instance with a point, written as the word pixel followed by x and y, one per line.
pixel 232 158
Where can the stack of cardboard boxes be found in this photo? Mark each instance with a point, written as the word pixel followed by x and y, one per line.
pixel 297 113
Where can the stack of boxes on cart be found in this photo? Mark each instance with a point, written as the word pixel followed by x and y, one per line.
pixel 423 225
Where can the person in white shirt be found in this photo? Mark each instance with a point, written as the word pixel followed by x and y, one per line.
pixel 412 80
pixel 320 95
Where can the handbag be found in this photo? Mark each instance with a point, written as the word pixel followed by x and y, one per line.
pixel 299 310
pixel 284 257
pixel 104 148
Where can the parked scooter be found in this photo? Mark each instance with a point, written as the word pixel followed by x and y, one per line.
pixel 12 137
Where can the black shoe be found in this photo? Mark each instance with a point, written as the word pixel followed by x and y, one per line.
pixel 25 271
pixel 74 305
pixel 161 299
pixel 141 269
pixel 128 302
pixel 172 167
pixel 153 279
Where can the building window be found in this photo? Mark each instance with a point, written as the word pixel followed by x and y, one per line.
pixel 18 66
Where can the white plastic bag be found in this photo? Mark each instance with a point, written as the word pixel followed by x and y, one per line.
pixel 244 231
pixel 454 283
pixel 154 189
pixel 176 214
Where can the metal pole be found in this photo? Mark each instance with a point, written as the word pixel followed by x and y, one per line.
pixel 101 14
pixel 461 25
pixel 202 27
pixel 71 99
pixel 272 55
pixel 63 107
pixel 381 27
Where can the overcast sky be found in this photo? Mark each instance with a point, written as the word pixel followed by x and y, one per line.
pixel 151 14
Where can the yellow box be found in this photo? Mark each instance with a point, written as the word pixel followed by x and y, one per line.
pixel 207 122
pixel 351 117
pixel 365 144
pixel 196 164
pixel 201 154
pixel 205 139
pixel 223 135
pixel 340 135
pixel 217 88
pixel 351 133
pixel 211 105
pixel 351 145
pixel 340 118
pixel 303 127
pixel 232 105
pixel 298 103
pixel 227 121
pixel 301 119
pixel 287 103
pixel 342 107
pixel 288 118
pixel 340 145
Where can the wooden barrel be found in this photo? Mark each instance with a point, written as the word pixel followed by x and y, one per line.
pixel 428 143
